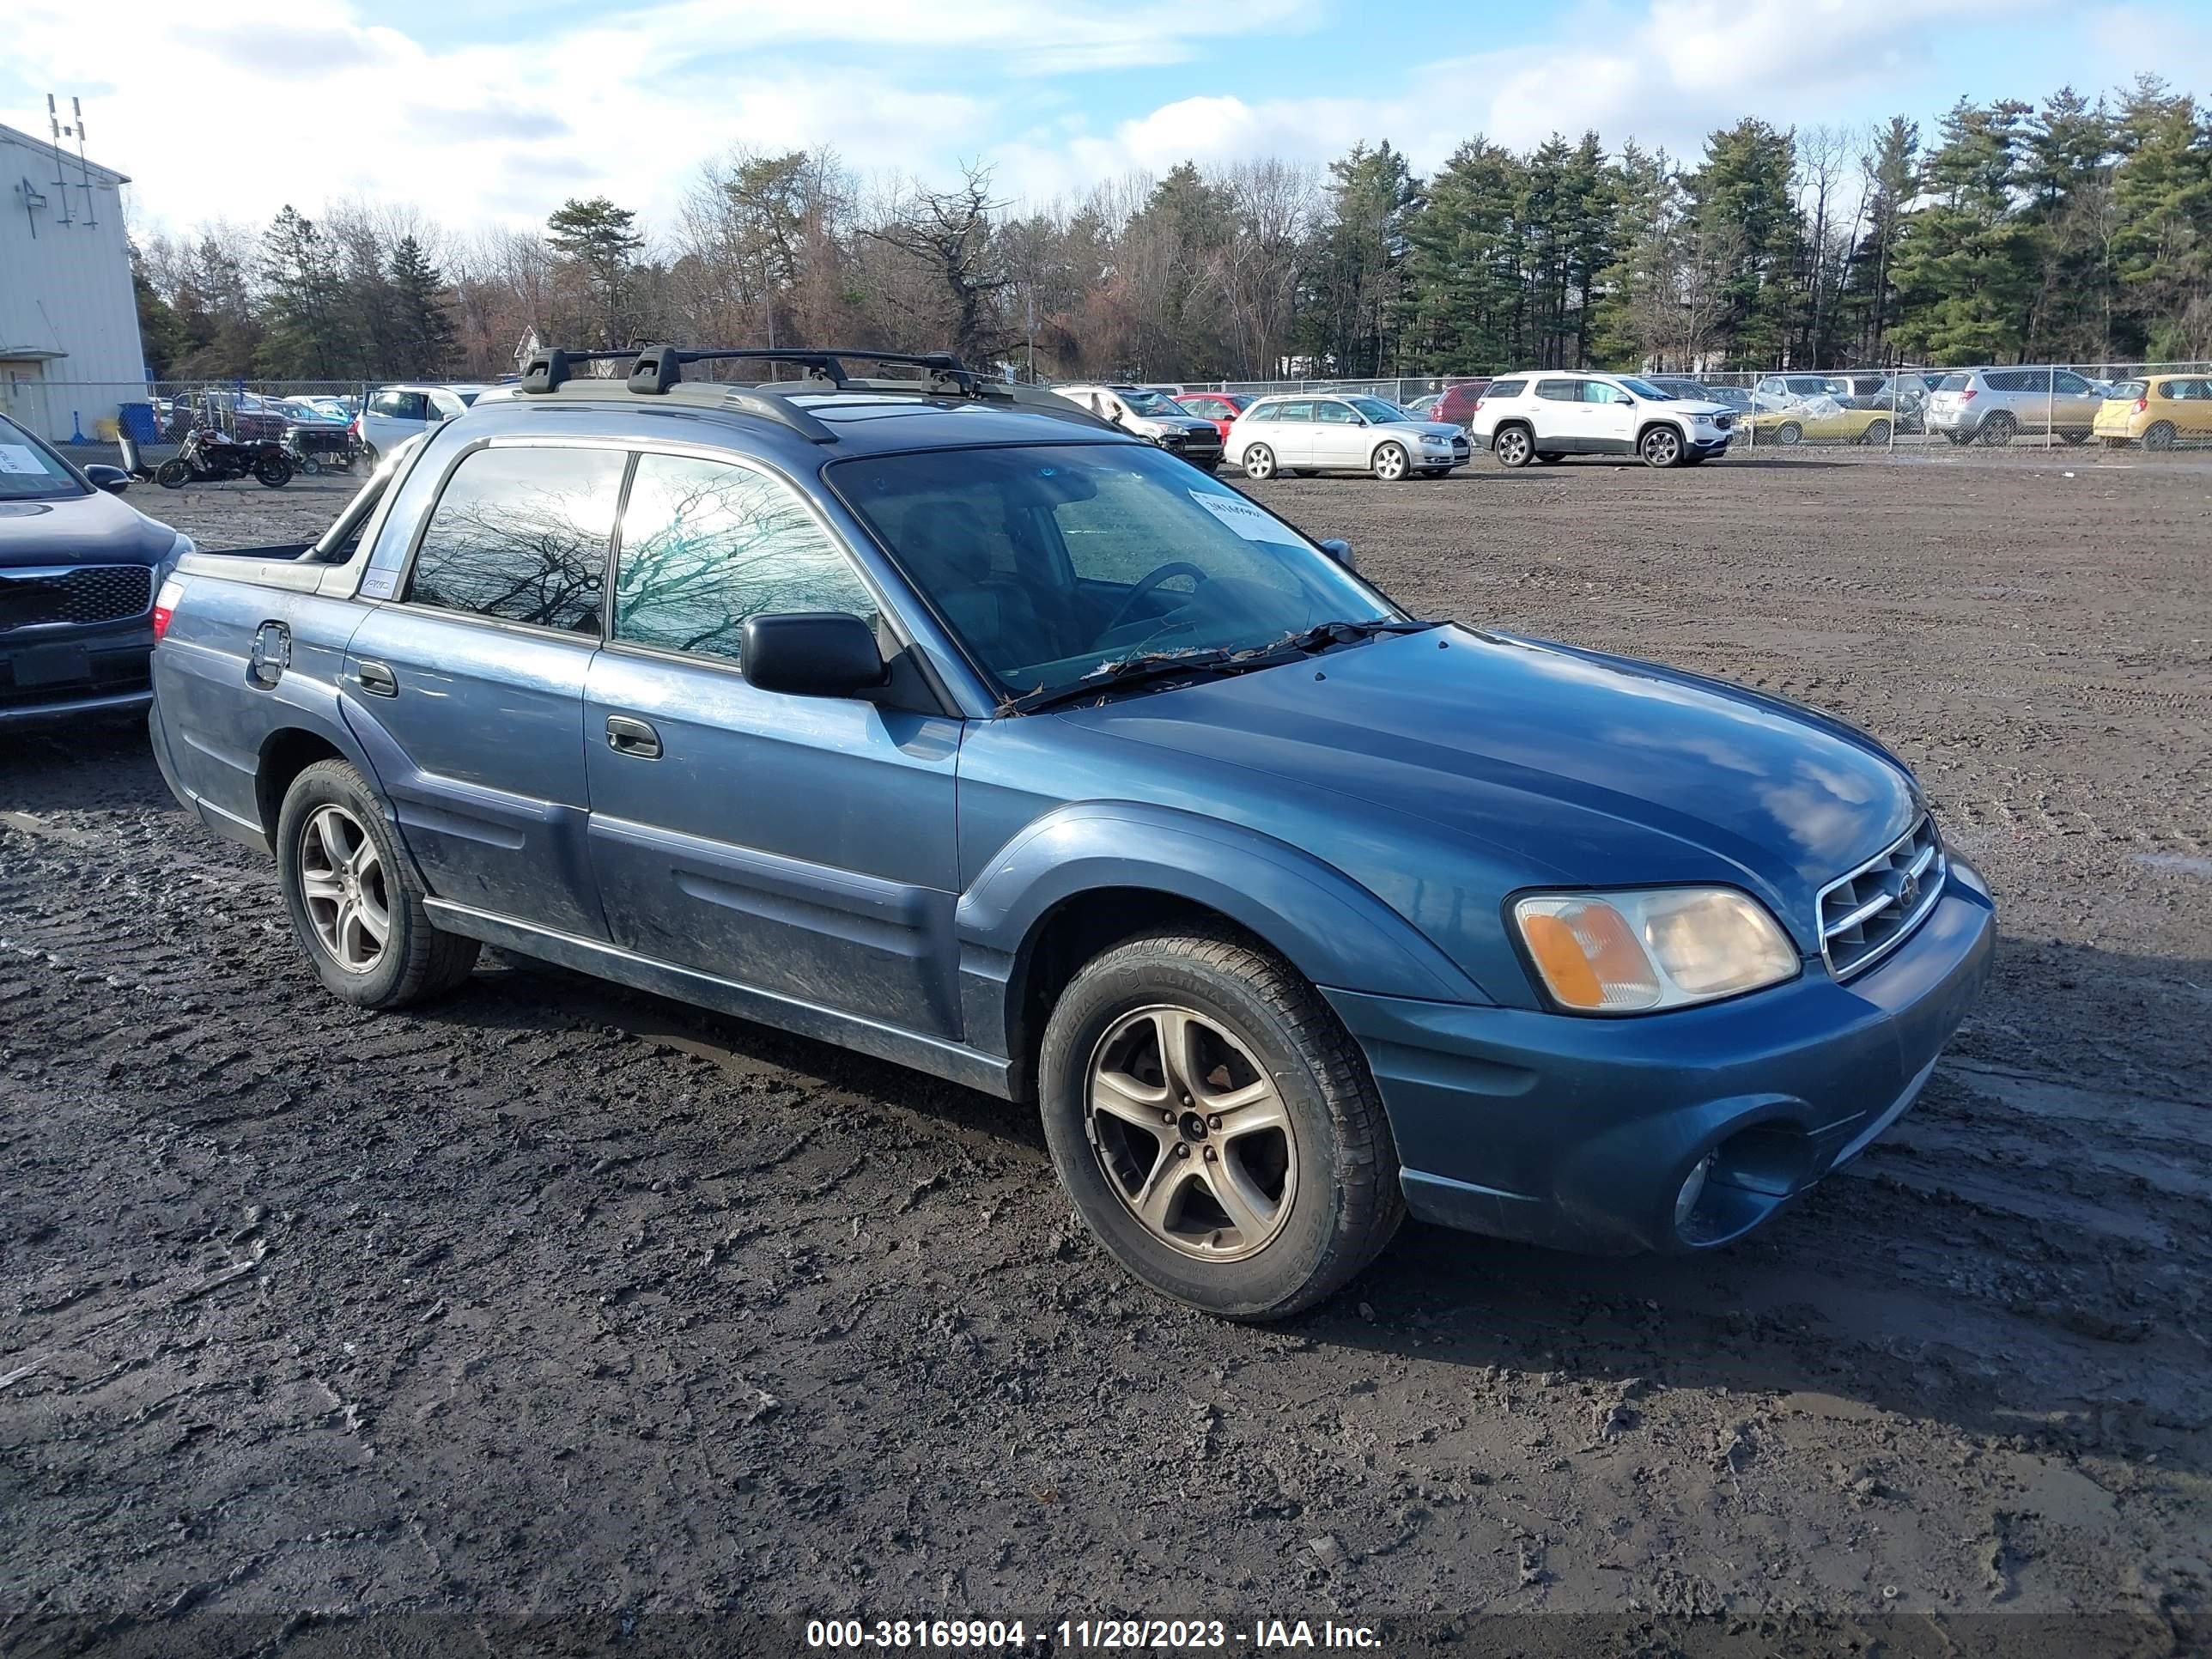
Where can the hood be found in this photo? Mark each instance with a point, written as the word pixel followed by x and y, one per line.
pixel 94 529
pixel 1697 406
pixel 1530 764
pixel 1425 429
pixel 1176 423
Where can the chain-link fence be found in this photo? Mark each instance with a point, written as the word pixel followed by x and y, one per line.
pixel 90 420
pixel 1915 411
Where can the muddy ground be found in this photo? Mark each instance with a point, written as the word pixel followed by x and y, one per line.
pixel 564 1305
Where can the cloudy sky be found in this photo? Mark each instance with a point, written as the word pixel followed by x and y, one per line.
pixel 499 109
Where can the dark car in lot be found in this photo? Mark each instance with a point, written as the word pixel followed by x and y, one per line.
pixel 946 721
pixel 78 572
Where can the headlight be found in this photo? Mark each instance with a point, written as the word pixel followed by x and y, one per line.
pixel 1626 953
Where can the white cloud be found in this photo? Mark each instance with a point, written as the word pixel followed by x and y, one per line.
pixel 272 104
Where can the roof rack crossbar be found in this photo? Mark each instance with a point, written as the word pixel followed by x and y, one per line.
pixel 654 368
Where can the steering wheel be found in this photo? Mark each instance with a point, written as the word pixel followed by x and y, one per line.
pixel 1146 588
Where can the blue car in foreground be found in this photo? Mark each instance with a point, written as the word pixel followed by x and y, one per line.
pixel 78 571
pixel 942 720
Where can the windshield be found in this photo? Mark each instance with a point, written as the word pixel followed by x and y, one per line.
pixel 1053 562
pixel 1149 402
pixel 1376 410
pixel 1646 389
pixel 29 471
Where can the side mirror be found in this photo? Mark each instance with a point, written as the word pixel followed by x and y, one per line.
pixel 1339 550
pixel 812 653
pixel 113 479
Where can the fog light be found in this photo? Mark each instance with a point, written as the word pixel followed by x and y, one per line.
pixel 1693 1190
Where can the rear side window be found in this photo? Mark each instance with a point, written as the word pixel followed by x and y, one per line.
pixel 1560 391
pixel 2136 389
pixel 1293 412
pixel 1506 389
pixel 522 534
pixel 705 546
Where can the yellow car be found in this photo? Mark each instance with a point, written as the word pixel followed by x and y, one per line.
pixel 1822 421
pixel 2157 411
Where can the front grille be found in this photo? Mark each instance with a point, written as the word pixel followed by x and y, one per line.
pixel 1724 422
pixel 90 593
pixel 1873 910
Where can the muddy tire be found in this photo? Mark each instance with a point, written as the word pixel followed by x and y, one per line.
pixel 355 905
pixel 1216 1126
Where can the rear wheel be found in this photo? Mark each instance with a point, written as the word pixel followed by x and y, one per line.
pixel 1390 464
pixel 1661 446
pixel 2160 436
pixel 1788 433
pixel 1997 431
pixel 1259 463
pixel 370 456
pixel 356 907
pixel 273 471
pixel 1216 1124
pixel 1513 447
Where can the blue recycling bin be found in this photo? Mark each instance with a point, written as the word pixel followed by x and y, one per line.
pixel 137 420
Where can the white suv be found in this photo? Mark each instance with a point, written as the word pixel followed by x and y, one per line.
pixel 394 414
pixel 1545 414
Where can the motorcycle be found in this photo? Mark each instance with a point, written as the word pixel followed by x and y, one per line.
pixel 210 457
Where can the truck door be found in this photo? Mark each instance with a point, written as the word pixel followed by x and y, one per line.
pixel 467 691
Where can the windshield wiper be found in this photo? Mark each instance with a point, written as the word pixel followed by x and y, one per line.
pixel 1141 669
pixel 1150 667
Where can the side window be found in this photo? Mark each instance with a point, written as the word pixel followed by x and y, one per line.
pixel 444 406
pixel 414 406
pixel 386 403
pixel 1559 391
pixel 1293 412
pixel 1600 392
pixel 521 534
pixel 705 546
pixel 1335 414
pixel 1507 389
pixel 2073 385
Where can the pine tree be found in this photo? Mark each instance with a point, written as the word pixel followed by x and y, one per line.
pixel 423 337
pixel 313 334
pixel 598 243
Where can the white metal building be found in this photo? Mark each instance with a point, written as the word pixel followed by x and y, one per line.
pixel 69 351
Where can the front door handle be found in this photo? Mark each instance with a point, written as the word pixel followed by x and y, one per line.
pixel 376 679
pixel 634 737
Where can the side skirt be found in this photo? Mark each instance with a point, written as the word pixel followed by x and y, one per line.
pixel 953 1061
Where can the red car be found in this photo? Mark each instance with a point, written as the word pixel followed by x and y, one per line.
pixel 1457 403
pixel 1218 407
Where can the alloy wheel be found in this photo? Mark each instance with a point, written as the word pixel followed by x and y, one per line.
pixel 341 877
pixel 1512 445
pixel 1191 1132
pixel 1661 446
pixel 1390 463
pixel 1259 463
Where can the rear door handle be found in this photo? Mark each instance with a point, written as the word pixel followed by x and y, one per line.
pixel 635 737
pixel 376 679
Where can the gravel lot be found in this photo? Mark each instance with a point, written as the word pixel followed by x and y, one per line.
pixel 557 1301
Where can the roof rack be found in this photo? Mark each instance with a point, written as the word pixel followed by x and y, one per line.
pixel 655 370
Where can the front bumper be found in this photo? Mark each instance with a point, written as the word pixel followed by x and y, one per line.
pixel 1579 1133
pixel 48 674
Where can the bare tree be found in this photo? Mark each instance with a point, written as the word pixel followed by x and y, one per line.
pixel 949 234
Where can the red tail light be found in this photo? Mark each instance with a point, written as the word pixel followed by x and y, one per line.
pixel 1967 396
pixel 165 606
pixel 2142 405
pixel 1477 409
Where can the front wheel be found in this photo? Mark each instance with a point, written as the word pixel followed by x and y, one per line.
pixel 1390 464
pixel 171 474
pixel 1216 1126
pixel 355 905
pixel 1513 447
pixel 1876 435
pixel 1788 433
pixel 1259 463
pixel 273 471
pixel 1997 430
pixel 1661 446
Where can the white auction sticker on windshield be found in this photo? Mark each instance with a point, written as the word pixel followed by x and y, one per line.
pixel 1246 519
pixel 21 457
